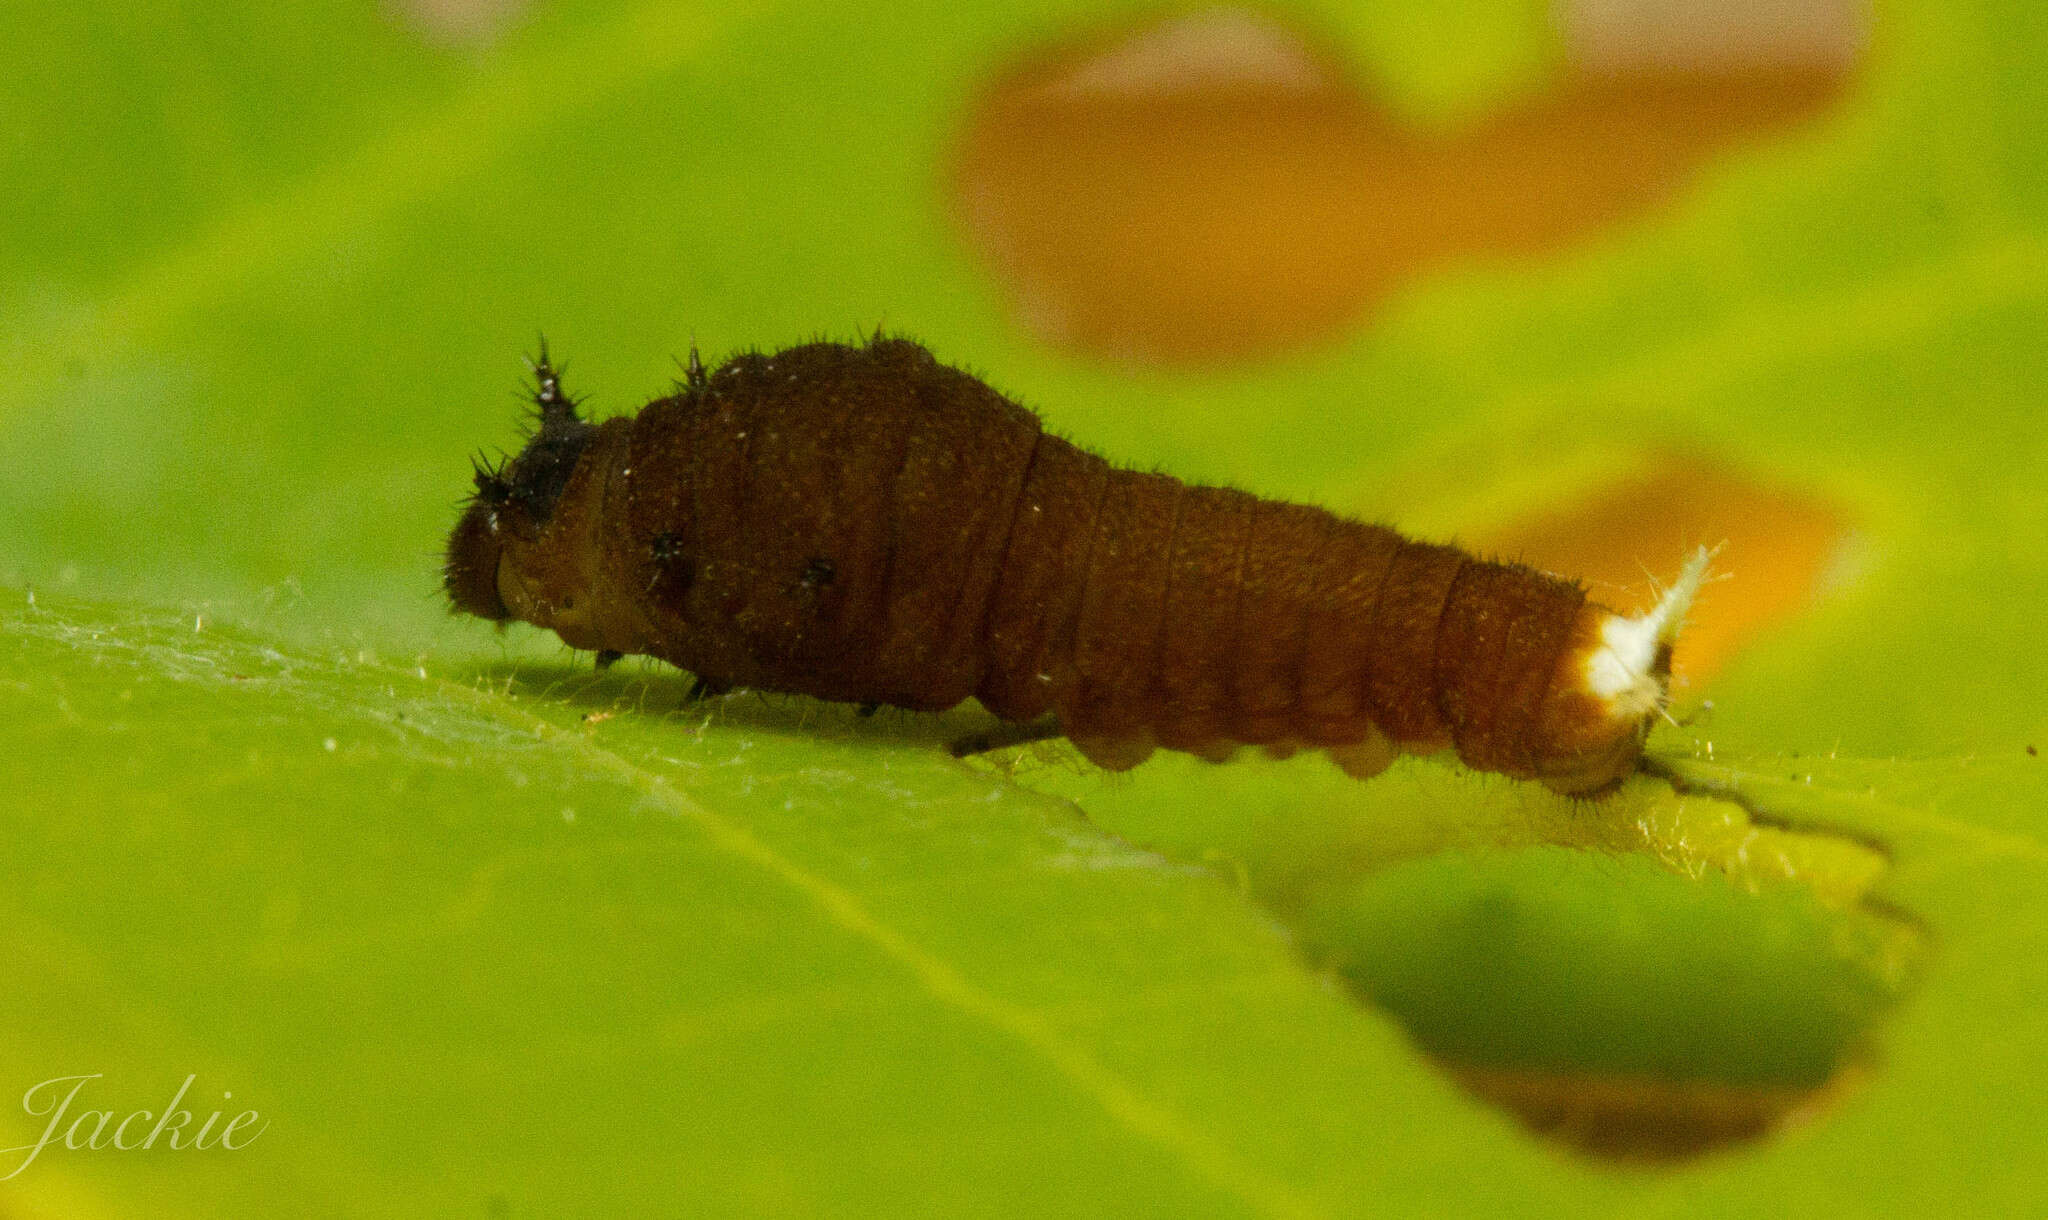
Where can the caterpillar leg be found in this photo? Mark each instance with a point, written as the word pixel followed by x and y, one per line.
pixel 1116 753
pixel 1004 736
pixel 702 688
pixel 1364 759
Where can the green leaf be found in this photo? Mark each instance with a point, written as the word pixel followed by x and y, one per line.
pixel 477 932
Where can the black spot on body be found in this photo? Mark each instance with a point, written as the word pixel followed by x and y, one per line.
pixel 818 573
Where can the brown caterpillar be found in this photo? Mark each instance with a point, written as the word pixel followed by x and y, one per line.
pixel 863 523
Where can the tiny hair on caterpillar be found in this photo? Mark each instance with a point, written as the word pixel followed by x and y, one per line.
pixel 862 523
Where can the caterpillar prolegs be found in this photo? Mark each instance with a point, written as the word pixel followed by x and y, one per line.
pixel 863 523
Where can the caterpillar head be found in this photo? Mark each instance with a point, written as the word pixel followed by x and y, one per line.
pixel 513 509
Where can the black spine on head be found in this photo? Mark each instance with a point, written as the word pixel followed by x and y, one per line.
pixel 535 479
pixel 491 487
